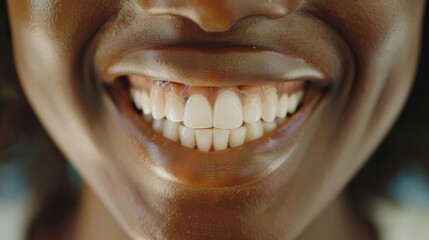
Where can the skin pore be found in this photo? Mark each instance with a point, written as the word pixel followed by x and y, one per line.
pixel 358 59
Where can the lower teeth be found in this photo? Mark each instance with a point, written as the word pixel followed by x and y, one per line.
pixel 214 119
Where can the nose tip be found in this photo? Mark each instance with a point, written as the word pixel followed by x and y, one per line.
pixel 219 15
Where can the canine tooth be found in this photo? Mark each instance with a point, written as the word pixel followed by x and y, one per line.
pixel 220 139
pixel 158 125
pixel 252 109
pixel 237 136
pixel 228 110
pixel 171 130
pixel 136 96
pixel 254 131
pixel 300 94
pixel 270 102
pixel 204 139
pixel 145 103
pixel 157 102
pixel 174 107
pixel 187 136
pixel 269 126
pixel 198 112
pixel 293 103
pixel 283 106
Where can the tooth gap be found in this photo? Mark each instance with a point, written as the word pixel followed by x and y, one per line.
pixel 197 117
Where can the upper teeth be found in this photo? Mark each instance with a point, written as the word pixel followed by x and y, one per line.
pixel 228 111
pixel 174 107
pixel 235 116
pixel 198 112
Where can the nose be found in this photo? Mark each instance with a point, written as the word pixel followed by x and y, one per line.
pixel 219 15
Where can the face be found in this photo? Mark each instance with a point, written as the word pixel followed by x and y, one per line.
pixel 348 66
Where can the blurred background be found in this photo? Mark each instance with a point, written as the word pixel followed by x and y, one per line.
pixel 393 187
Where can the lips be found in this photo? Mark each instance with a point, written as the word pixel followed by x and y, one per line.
pixel 222 65
pixel 218 67
pixel 199 165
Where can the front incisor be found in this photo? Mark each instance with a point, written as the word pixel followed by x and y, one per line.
pixel 198 112
pixel 228 110
pixel 252 108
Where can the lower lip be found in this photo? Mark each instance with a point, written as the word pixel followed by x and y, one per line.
pixel 235 166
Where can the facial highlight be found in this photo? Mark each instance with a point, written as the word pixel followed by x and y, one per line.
pixel 233 119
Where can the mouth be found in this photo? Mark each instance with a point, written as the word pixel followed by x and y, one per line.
pixel 219 115
pixel 195 128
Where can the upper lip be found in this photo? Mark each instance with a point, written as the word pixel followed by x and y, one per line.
pixel 221 67
pixel 236 57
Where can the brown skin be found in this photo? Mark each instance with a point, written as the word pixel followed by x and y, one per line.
pixel 366 50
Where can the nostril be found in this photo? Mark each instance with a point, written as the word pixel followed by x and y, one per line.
pixel 220 15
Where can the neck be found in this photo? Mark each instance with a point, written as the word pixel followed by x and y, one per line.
pixel 93 220
pixel 336 222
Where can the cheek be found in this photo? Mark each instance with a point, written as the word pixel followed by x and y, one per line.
pixel 384 37
pixel 374 29
pixel 49 41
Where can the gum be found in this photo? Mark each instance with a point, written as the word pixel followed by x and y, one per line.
pixel 211 93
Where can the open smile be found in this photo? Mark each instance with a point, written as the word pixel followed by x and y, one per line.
pixel 196 112
pixel 218 118
pixel 220 115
